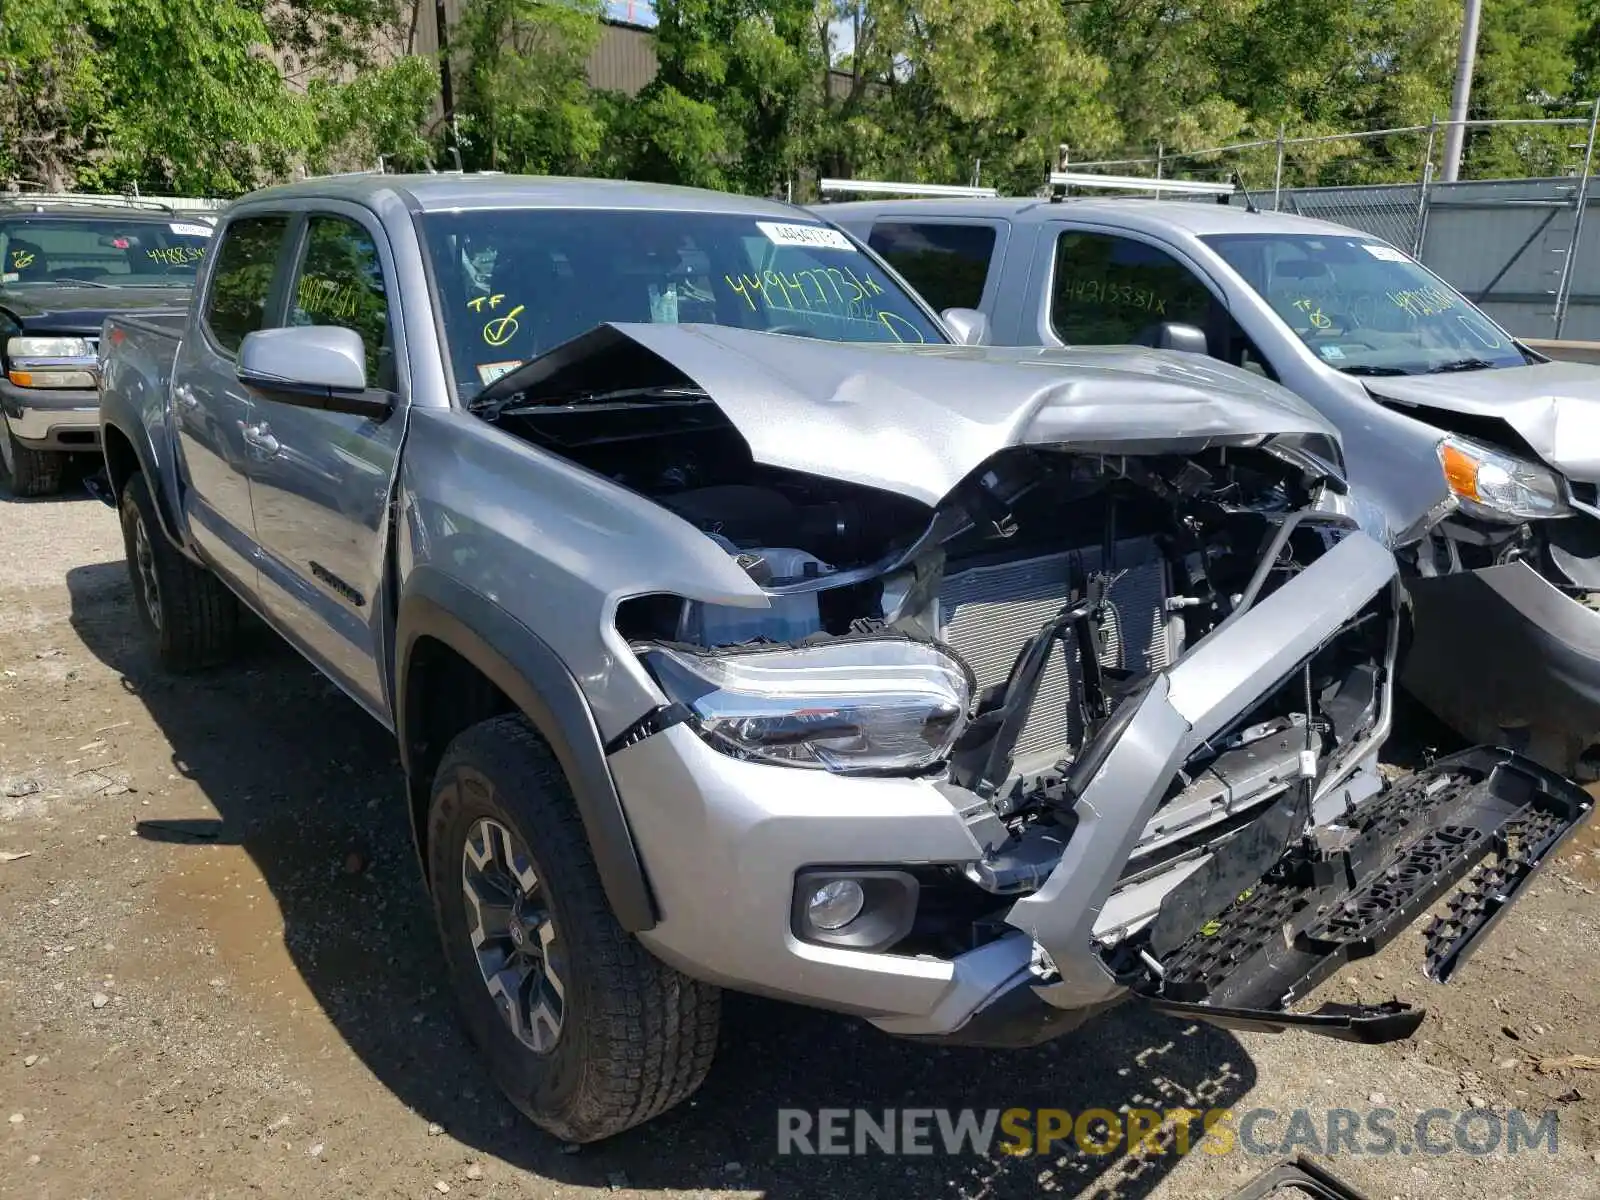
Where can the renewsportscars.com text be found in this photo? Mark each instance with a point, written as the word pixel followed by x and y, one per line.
pixel 1100 1131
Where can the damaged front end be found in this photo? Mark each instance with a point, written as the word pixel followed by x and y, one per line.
pixel 1149 678
pixel 1509 572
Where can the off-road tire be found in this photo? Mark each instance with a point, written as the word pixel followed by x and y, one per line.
pixel 30 472
pixel 193 619
pixel 637 1037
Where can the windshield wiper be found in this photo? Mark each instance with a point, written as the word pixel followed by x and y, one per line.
pixel 1370 370
pixel 1462 364
pixel 82 282
pixel 499 405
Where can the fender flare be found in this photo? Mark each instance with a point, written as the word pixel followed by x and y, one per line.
pixel 150 468
pixel 533 677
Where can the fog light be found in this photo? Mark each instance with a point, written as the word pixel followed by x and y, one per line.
pixel 835 904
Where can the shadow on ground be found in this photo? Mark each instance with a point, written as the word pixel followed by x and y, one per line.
pixel 302 779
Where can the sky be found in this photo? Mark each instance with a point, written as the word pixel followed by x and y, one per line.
pixel 643 12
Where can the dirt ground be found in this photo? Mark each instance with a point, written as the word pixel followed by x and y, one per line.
pixel 219 977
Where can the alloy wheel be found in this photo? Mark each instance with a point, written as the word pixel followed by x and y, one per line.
pixel 513 934
pixel 144 561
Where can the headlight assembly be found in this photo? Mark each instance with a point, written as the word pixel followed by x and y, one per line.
pixel 865 706
pixel 1495 486
pixel 49 347
pixel 51 362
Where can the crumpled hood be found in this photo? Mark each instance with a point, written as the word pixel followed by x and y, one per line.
pixel 1553 406
pixel 918 419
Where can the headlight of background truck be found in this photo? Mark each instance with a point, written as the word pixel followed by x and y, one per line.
pixel 50 362
pixel 867 706
pixel 1495 486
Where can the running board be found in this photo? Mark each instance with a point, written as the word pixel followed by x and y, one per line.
pixel 1393 858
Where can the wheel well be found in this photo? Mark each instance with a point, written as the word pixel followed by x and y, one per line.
pixel 445 694
pixel 122 462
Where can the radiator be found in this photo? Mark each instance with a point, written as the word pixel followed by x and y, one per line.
pixel 987 613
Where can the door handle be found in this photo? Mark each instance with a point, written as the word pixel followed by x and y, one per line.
pixel 185 396
pixel 259 437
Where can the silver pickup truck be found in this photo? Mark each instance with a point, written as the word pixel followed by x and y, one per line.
pixel 1485 456
pixel 738 630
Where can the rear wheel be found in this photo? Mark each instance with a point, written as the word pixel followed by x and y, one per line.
pixel 584 1030
pixel 31 472
pixel 186 611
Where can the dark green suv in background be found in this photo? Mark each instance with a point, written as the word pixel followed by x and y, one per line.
pixel 65 265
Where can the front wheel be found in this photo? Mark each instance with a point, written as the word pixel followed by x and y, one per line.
pixel 31 472
pixel 584 1030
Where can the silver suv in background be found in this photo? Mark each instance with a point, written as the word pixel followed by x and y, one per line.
pixel 1484 455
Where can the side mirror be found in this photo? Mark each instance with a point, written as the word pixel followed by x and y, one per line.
pixel 313 366
pixel 967 325
pixel 1175 335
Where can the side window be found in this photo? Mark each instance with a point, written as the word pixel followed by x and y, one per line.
pixel 1108 290
pixel 242 278
pixel 340 282
pixel 948 264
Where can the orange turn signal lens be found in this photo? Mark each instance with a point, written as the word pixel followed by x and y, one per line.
pixel 1460 471
pixel 20 378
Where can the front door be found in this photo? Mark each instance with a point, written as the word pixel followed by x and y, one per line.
pixel 212 410
pixel 320 481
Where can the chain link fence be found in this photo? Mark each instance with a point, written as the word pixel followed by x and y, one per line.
pixel 1511 238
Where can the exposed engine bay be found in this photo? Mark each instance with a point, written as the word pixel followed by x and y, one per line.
pixel 1096 648
pixel 1062 582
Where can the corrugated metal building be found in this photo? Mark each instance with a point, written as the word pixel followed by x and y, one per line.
pixel 623 61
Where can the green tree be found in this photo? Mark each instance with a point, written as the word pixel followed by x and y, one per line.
pixel 1525 68
pixel 937 88
pixel 524 101
pixel 734 103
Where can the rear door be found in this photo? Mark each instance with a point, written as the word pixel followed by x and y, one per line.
pixel 953 262
pixel 211 408
pixel 320 481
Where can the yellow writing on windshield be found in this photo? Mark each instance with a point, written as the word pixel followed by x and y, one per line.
pixel 1423 301
pixel 1313 311
pixel 832 287
pixel 176 256
pixel 476 304
pixel 502 329
pixel 21 259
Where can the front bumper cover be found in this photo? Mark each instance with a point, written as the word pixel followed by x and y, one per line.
pixel 1531 678
pixel 52 418
pixel 1318 907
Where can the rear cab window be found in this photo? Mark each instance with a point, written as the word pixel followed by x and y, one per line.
pixel 241 280
pixel 948 263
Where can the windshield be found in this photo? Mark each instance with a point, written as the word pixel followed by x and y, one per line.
pixel 514 284
pixel 101 251
pixel 1366 308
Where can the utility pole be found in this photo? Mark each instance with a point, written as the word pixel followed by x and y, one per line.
pixel 447 98
pixel 1455 132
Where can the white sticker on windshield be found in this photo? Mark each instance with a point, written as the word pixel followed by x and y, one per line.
pixel 815 237
pixel 184 229
pixel 489 372
pixel 10 277
pixel 1332 351
pixel 1387 253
